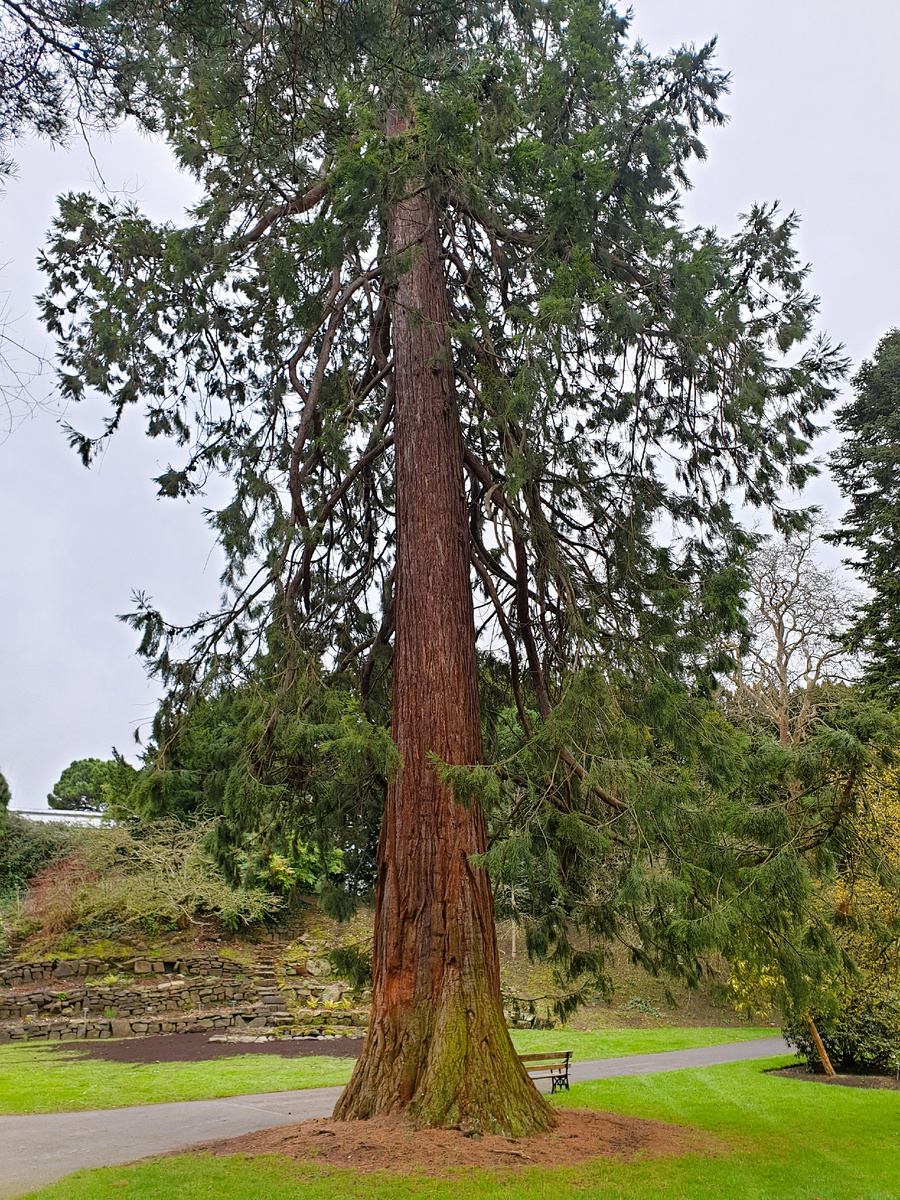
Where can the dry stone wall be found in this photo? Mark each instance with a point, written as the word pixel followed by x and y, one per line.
pixel 69 969
pixel 127 1001
pixel 255 1023
pixel 89 998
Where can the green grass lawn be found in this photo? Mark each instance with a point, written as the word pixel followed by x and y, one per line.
pixel 614 1043
pixel 39 1078
pixel 43 1080
pixel 784 1139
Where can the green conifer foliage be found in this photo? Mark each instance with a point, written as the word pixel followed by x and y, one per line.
pixel 91 784
pixel 78 787
pixel 614 369
pixel 865 466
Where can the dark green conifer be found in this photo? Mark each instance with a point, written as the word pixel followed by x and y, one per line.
pixel 867 468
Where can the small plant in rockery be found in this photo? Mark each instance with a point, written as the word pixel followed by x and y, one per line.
pixel 639 1004
pixel 353 963
pixel 74 946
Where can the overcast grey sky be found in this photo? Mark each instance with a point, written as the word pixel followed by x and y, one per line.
pixel 814 108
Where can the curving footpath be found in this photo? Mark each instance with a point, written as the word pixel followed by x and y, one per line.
pixel 39 1150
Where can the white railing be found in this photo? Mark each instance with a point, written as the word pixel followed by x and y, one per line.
pixel 56 814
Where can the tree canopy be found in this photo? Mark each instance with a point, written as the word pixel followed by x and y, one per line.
pixel 799 613
pixel 614 369
pixel 91 784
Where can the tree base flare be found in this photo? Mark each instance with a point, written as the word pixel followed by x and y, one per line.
pixel 390 1145
pixel 453 1068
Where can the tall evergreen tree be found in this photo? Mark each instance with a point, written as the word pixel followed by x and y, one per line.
pixel 866 466
pixel 438 320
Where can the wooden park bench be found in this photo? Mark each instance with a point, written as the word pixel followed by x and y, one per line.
pixel 553 1066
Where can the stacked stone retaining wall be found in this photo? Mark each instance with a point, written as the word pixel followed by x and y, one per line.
pixel 68 998
pixel 51 970
pixel 177 996
pixel 255 1022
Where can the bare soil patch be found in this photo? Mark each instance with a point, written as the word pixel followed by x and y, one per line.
pixel 887 1082
pixel 196 1047
pixel 391 1145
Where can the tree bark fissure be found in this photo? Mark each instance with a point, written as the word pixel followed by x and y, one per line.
pixel 438 1050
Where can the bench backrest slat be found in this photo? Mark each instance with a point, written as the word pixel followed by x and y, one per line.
pixel 551 1056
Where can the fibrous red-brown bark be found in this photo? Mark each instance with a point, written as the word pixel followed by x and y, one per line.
pixel 438 1049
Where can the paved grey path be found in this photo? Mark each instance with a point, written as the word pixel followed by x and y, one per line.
pixel 38 1150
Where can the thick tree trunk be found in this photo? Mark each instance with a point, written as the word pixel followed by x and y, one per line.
pixel 437 1050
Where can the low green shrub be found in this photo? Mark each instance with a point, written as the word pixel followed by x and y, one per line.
pixel 158 877
pixel 26 847
pixel 859 1021
pixel 864 1034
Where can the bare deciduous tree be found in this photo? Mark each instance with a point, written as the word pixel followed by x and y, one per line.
pixel 798 613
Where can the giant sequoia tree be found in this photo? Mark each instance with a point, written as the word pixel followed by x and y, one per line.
pixel 476 388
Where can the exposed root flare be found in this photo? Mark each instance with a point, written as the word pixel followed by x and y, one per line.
pixel 390 1144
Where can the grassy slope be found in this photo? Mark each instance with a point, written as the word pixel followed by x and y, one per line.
pixel 786 1139
pixel 40 1078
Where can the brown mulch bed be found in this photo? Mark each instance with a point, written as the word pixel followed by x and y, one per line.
pixel 196 1047
pixel 388 1144
pixel 887 1082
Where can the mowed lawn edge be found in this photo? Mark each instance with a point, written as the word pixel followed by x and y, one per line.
pixel 42 1078
pixel 781 1139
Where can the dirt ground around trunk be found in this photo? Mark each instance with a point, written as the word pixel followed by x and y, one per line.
pixel 196 1047
pixel 886 1082
pixel 390 1145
